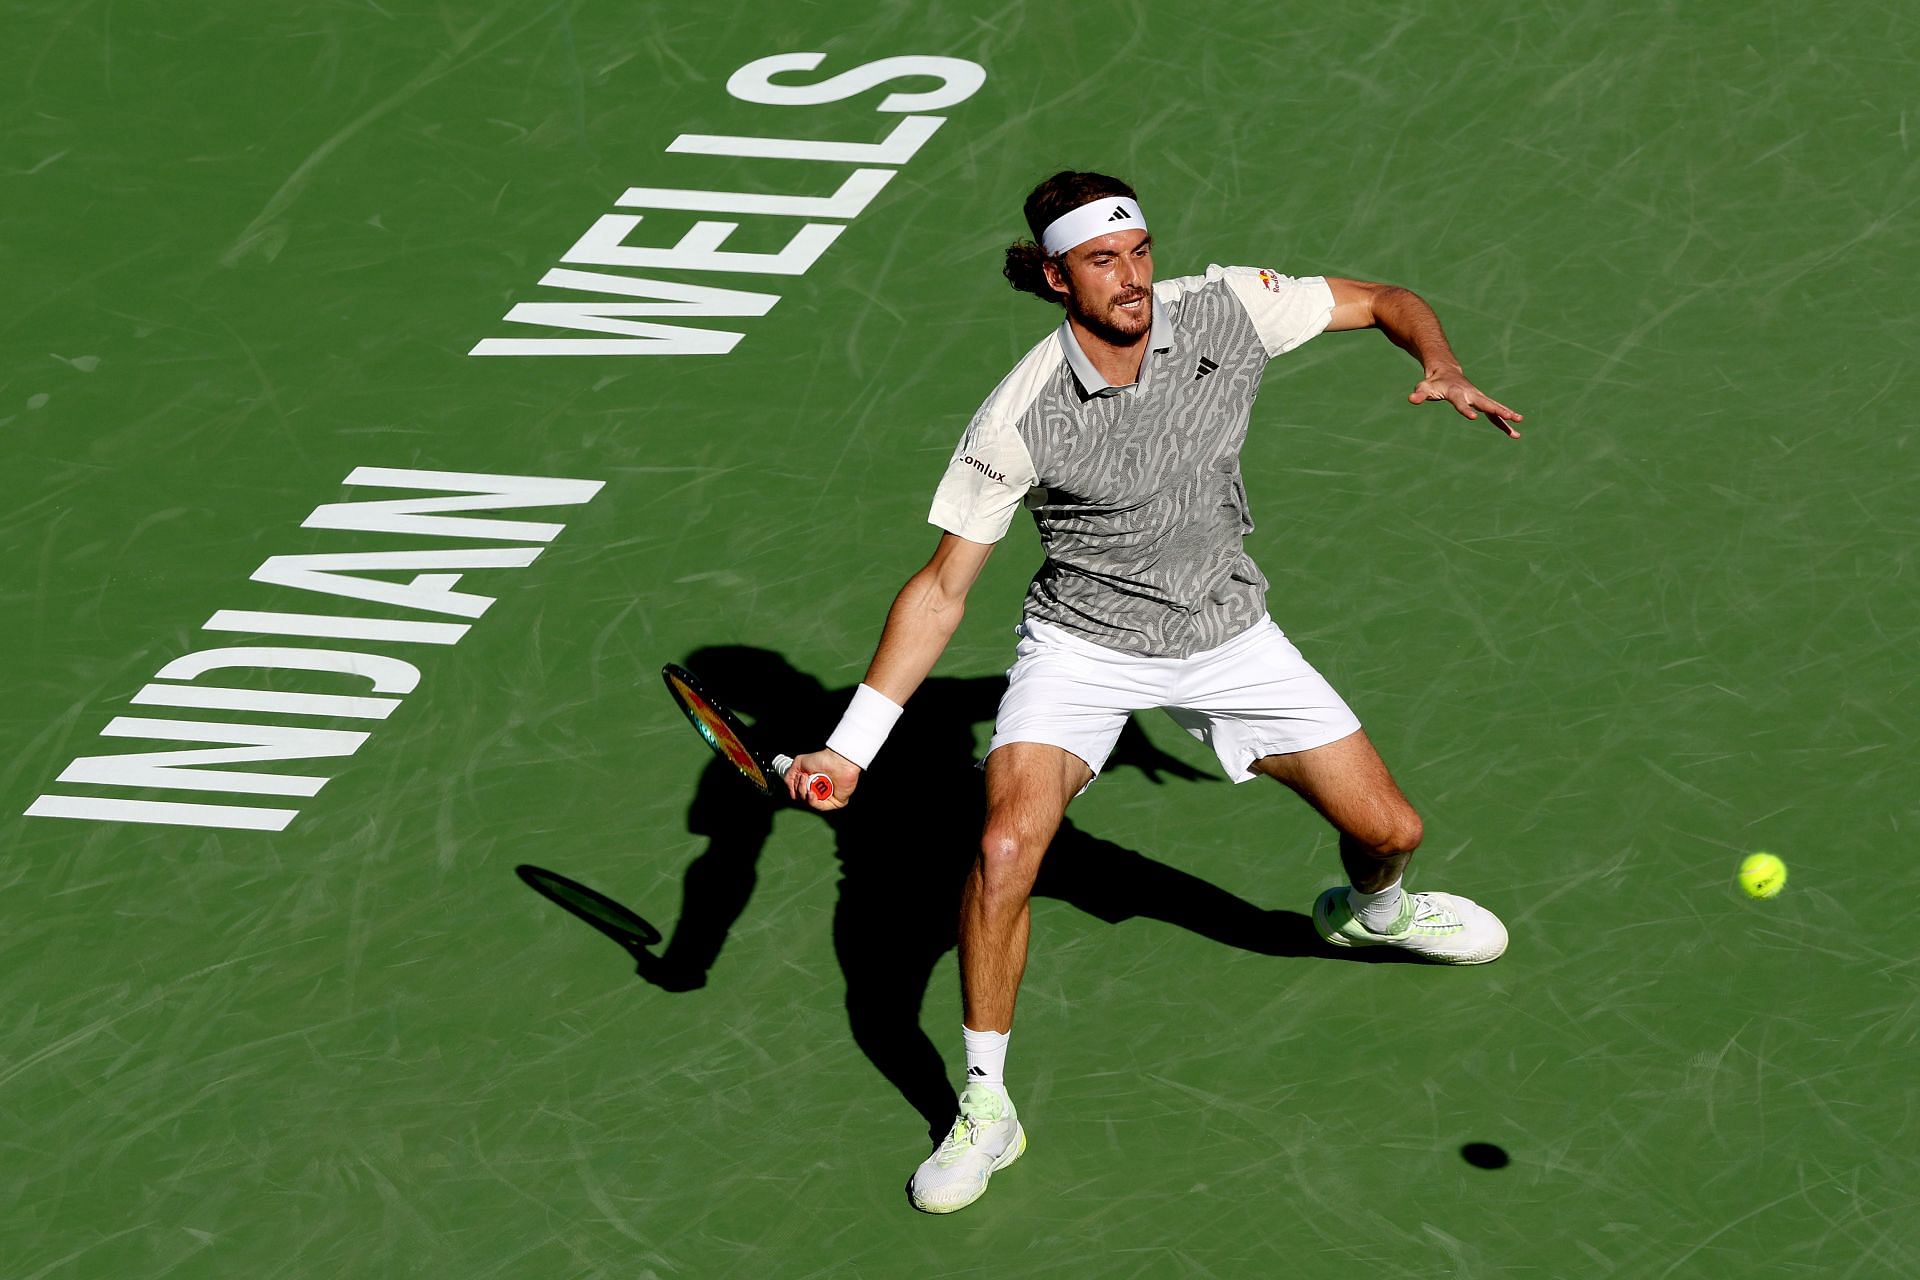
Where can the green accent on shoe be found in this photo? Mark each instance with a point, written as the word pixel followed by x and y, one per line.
pixel 980 1106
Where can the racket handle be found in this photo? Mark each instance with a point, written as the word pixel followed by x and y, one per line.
pixel 819 785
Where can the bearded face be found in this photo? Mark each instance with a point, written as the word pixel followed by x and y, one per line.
pixel 1108 285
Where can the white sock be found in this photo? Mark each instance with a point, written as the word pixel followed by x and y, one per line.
pixel 986 1057
pixel 1377 911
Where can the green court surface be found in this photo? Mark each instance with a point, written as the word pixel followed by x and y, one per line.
pixel 247 250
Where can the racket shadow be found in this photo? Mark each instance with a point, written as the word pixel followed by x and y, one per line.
pixel 631 931
pixel 905 847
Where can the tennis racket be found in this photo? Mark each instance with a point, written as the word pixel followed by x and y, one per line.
pixel 728 737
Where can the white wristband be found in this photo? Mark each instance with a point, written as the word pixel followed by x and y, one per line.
pixel 864 728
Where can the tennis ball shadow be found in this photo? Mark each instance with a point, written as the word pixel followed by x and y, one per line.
pixel 1485 1155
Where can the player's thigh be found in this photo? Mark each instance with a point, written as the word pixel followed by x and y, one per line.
pixel 1348 784
pixel 1029 785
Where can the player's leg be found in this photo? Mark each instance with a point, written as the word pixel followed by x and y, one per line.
pixel 1065 704
pixel 1264 710
pixel 1348 784
pixel 1028 787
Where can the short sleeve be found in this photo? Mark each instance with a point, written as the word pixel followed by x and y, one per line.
pixel 986 480
pixel 993 471
pixel 1285 311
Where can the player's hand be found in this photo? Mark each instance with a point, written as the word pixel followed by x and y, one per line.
pixel 1468 401
pixel 844 773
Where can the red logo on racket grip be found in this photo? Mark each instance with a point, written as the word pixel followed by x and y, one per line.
pixel 821 786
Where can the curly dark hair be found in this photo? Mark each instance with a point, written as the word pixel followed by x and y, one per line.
pixel 1062 193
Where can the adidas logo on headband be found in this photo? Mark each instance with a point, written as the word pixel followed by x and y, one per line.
pixel 1095 218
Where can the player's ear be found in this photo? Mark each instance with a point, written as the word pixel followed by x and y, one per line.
pixel 1055 270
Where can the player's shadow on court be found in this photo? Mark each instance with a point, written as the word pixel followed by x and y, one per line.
pixel 905 845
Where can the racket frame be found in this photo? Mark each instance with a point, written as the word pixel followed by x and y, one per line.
pixel 723 733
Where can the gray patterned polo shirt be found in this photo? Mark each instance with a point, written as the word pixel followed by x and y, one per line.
pixel 1136 490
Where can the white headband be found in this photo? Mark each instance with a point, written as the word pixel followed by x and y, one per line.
pixel 1107 214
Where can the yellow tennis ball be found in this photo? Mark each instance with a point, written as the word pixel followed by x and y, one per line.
pixel 1763 875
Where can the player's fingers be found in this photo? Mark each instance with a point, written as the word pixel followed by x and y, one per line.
pixel 1498 413
pixel 1488 403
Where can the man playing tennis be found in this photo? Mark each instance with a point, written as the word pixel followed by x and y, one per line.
pixel 1121 431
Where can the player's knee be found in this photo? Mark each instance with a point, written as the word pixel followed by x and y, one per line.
pixel 1403 836
pixel 1007 856
pixel 1393 835
pixel 1001 850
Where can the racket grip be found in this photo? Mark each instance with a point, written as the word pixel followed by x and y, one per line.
pixel 819 785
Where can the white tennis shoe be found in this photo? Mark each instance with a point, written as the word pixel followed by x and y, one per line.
pixel 985 1138
pixel 1442 927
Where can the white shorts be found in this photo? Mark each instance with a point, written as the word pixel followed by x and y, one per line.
pixel 1253 696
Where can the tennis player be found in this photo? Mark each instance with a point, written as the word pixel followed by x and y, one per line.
pixel 1121 432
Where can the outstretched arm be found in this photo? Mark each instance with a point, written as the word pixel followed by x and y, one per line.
pixel 924 617
pixel 919 625
pixel 1410 324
